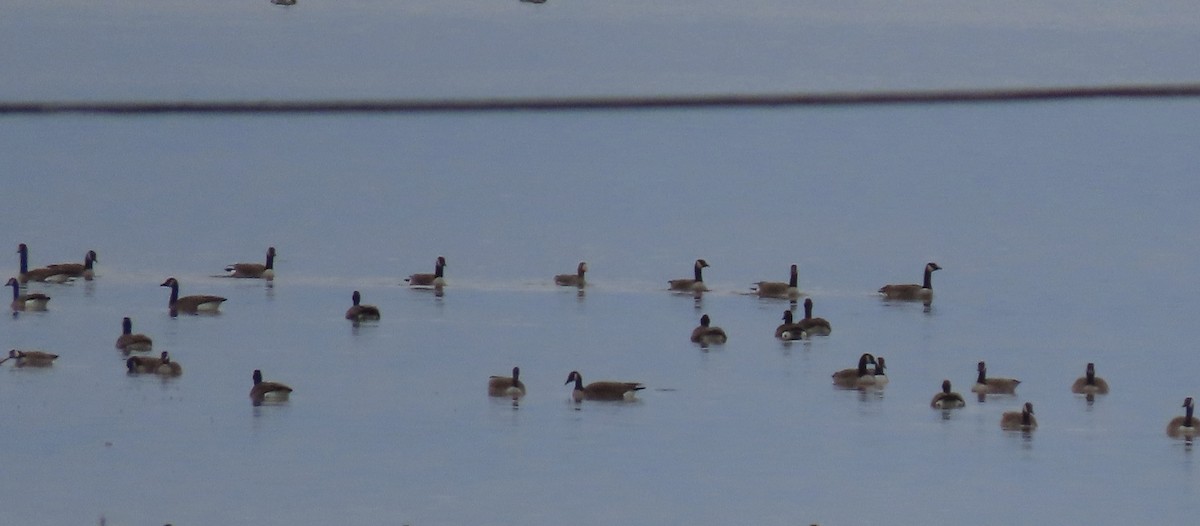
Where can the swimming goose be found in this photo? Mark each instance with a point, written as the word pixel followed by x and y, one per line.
pixel 507 386
pixel 706 335
pixel 1089 383
pixel 357 313
pixel 254 270
pixel 696 284
pixel 779 289
pixel 985 385
pixel 262 390
pixel 129 342
pixel 190 304
pixel 912 292
pixel 58 272
pixel 162 365
pixel 1022 420
pixel 573 280
pixel 857 376
pixel 789 330
pixel 947 399
pixel 881 379
pixel 435 280
pixel 1184 426
pixel 30 358
pixel 31 301
pixel 602 390
pixel 814 326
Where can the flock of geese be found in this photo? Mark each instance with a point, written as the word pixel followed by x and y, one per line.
pixel 868 374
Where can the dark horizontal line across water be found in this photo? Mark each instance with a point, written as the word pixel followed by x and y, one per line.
pixel 608 103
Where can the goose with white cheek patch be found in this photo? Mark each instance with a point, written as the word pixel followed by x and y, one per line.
pixel 912 292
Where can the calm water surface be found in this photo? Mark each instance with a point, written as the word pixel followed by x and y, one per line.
pixel 1067 233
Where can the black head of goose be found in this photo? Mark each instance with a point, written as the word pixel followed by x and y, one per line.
pixel 1184 426
pixel 23 302
pixel 985 385
pixel 436 280
pixel 789 330
pixel 190 304
pixel 1022 420
pixel 604 390
pixel 921 292
pixel 696 283
pixel 856 377
pixel 507 386
pixel 706 334
pixel 779 289
pixel 254 270
pixel 947 399
pixel 261 390
pixel 573 280
pixel 359 312
pixel 881 378
pixel 811 325
pixel 129 342
pixel 1089 383
pixel 30 358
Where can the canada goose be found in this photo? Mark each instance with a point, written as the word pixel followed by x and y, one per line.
pixel 706 335
pixel 1089 383
pixel 573 280
pixel 947 399
pixel 162 365
pixel 1184 426
pixel 254 270
pixel 31 301
pixel 357 313
pixel 602 390
pixel 58 272
pixel 857 376
pixel 129 342
pixel 814 326
pixel 789 330
pixel 881 379
pixel 262 390
pixel 912 292
pixel 435 280
pixel 1022 420
pixel 30 358
pixel 985 385
pixel 696 284
pixel 283 2
pixel 507 386
pixel 190 304
pixel 779 289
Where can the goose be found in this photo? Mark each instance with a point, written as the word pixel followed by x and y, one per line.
pixel 1184 426
pixel 573 280
pixel 507 386
pixel 857 376
pixel 602 390
pixel 357 312
pixel 30 301
pixel 1022 420
pixel 779 289
pixel 254 270
pixel 30 358
pixel 190 304
pixel 814 326
pixel 913 291
pixel 262 390
pixel 1089 383
pixel 435 280
pixel 58 272
pixel 129 342
pixel 146 364
pixel 707 335
pixel 696 284
pixel 788 330
pixel 985 385
pixel 881 379
pixel 947 399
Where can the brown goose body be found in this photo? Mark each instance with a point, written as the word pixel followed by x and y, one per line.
pixel 695 284
pixel 263 390
pixel 190 304
pixel 912 292
pixel 437 279
pixel 358 312
pixel 163 365
pixel 789 330
pixel 778 289
pixel 507 386
pixel 24 302
pixel 814 326
pixel 856 377
pixel 254 270
pixel 706 334
pixel 1022 420
pixel 30 358
pixel 573 280
pixel 1185 426
pixel 1089 383
pixel 987 385
pixel 58 272
pixel 129 342
pixel 947 399
pixel 604 390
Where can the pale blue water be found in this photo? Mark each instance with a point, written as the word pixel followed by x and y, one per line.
pixel 1067 233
